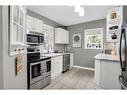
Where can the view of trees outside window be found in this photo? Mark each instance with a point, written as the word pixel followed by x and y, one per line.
pixel 93 38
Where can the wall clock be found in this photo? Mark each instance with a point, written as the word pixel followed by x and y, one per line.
pixel 77 40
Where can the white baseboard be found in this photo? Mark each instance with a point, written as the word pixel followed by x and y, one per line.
pixel 86 68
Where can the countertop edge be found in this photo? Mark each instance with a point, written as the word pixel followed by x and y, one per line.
pixel 107 57
pixel 56 54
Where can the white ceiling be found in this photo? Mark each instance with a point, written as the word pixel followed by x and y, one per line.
pixel 66 15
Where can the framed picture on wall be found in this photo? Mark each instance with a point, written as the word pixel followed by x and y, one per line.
pixel 93 38
pixel 77 40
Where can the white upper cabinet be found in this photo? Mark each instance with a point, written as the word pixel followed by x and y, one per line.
pixel 38 25
pixel 17 29
pixel 48 32
pixel 17 25
pixel 34 24
pixel 61 36
pixel 29 23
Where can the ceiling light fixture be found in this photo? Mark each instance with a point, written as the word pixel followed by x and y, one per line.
pixel 80 10
pixel 77 8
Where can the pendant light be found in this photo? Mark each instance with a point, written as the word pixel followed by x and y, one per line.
pixel 79 9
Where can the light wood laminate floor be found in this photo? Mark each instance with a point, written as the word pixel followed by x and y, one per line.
pixel 74 78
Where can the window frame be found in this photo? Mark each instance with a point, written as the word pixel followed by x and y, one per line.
pixel 94 29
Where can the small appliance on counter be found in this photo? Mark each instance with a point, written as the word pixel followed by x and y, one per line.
pixel 38 71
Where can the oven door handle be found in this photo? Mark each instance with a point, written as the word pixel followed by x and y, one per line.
pixel 42 71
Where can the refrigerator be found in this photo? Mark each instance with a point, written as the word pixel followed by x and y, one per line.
pixel 123 58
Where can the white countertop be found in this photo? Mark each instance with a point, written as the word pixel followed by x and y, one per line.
pixel 55 54
pixel 107 57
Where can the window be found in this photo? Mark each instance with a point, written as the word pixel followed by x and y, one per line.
pixel 93 38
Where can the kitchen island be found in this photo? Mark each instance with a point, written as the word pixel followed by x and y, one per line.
pixel 107 70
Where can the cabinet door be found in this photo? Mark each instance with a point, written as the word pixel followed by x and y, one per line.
pixel 22 26
pixel 61 36
pixel 109 77
pixel 52 67
pixel 17 25
pixel 58 36
pixel 56 66
pixel 38 25
pixel 59 64
pixel 14 24
pixel 48 32
pixel 71 60
pixel 17 29
pixel 29 23
pixel 66 36
pixel 14 35
pixel 97 72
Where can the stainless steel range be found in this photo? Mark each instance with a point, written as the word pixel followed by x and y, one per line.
pixel 39 71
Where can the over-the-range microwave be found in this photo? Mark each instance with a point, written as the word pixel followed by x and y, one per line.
pixel 33 39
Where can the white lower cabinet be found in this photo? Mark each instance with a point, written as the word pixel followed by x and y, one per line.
pixel 97 72
pixel 107 74
pixel 71 60
pixel 56 66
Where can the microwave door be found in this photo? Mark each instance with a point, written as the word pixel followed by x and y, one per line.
pixel 32 39
pixel 123 50
pixel 41 39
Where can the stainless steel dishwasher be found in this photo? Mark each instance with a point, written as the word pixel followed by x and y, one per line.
pixel 66 62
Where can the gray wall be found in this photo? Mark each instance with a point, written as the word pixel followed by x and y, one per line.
pixel 85 57
pixel 125 14
pixel 48 22
pixel 1 57
pixel 10 80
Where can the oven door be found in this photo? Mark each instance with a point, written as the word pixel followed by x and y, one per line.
pixel 46 68
pixel 35 72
